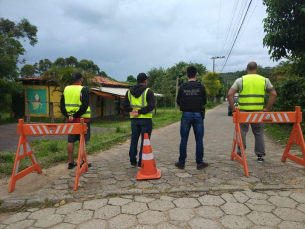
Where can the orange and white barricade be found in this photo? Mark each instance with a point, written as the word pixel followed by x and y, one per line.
pixel 24 149
pixel 296 135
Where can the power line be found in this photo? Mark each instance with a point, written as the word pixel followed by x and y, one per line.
pixel 228 56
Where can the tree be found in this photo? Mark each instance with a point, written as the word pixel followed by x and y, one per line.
pixel 211 83
pixel 60 62
pixel 10 46
pixel 28 70
pixel 131 79
pixel 44 65
pixel 71 61
pixel 285 30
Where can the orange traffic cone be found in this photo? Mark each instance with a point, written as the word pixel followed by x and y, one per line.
pixel 148 167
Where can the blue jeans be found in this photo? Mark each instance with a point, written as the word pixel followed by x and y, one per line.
pixel 189 119
pixel 139 126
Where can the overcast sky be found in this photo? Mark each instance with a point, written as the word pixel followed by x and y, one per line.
pixel 126 37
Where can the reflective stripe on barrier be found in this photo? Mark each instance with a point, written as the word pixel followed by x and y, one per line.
pixel 296 135
pixel 24 148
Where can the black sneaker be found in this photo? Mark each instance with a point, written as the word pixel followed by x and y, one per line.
pixel 72 165
pixel 89 164
pixel 179 165
pixel 202 165
pixel 239 154
pixel 132 165
pixel 260 158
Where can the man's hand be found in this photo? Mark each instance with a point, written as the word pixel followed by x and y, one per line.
pixel 134 113
pixel 265 110
pixel 71 118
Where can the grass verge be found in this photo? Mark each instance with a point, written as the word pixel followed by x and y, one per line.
pixel 51 152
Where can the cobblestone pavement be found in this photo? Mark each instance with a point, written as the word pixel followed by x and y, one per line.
pixel 220 196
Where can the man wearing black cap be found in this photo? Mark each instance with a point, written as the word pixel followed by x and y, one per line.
pixel 74 105
pixel 139 101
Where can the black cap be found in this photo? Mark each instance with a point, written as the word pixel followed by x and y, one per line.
pixel 76 76
pixel 141 77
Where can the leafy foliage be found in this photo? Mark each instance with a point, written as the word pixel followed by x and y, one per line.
pixel 212 84
pixel 10 46
pixel 285 30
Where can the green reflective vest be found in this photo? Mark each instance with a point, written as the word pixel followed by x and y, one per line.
pixel 72 100
pixel 138 103
pixel 253 91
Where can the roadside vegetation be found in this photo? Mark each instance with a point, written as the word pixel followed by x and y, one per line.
pixel 51 152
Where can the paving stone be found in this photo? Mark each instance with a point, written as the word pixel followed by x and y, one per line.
pixel 261 207
pixel 291 225
pixel 264 218
pixel 64 226
pixel 301 207
pixel 299 197
pixel 284 193
pixel 183 175
pixel 209 200
pixel 256 195
pixel 68 208
pixel 144 227
pixel 186 203
pixel 21 224
pixel 122 221
pixel 143 199
pixel 16 217
pixel 240 197
pixel 12 203
pixel 235 222
pixel 209 212
pixel 182 214
pixel 118 201
pixel 204 223
pixel 107 212
pixel 166 226
pixel 134 208
pixel 168 198
pixel 95 204
pixel 161 205
pixel 228 197
pixel 151 217
pixel 282 201
pixel 79 216
pixel 49 221
pixel 235 209
pixel 289 214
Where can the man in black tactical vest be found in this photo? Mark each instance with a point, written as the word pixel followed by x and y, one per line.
pixel 191 98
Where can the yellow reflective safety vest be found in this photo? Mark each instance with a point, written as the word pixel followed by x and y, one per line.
pixel 138 103
pixel 72 100
pixel 253 92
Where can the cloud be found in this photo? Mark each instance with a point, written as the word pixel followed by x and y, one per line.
pixel 127 37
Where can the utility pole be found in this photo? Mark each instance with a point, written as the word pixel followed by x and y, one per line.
pixel 216 57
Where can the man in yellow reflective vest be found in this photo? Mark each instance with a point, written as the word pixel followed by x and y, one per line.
pixel 139 101
pixel 74 105
pixel 252 88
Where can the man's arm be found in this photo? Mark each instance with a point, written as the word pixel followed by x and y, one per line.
pixel 150 98
pixel 85 103
pixel 126 104
pixel 231 93
pixel 272 96
pixel 179 96
pixel 63 107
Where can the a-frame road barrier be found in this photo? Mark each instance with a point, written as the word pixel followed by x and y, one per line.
pixel 24 149
pixel 296 135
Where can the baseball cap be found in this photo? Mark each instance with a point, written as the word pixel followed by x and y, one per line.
pixel 76 76
pixel 141 77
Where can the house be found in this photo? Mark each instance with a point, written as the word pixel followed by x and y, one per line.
pixel 41 100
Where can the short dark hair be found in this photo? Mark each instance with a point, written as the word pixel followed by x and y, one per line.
pixel 191 71
pixel 252 66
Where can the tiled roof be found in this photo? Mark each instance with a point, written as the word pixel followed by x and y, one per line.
pixel 103 81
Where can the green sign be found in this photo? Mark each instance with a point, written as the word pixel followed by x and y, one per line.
pixel 37 98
